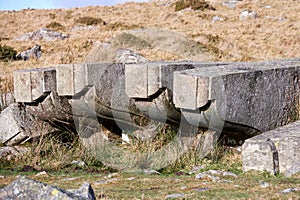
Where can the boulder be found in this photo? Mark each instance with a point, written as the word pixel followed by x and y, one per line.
pixel 26 188
pixel 18 124
pixel 275 151
pixel 34 52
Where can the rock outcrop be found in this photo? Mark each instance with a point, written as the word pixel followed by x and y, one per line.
pixel 26 188
pixel 43 34
pixel 275 151
pixel 34 52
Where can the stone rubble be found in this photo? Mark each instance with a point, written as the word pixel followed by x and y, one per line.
pixel 43 34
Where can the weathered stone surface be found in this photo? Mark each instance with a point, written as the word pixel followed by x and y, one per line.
pixel 37 89
pixel 32 84
pixel 251 95
pixel 17 124
pixel 230 4
pixel 128 56
pixel 6 100
pixel 10 129
pixel 26 188
pixel 248 14
pixel 151 86
pixel 242 99
pixel 276 151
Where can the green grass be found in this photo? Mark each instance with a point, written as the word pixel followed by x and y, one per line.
pixel 246 186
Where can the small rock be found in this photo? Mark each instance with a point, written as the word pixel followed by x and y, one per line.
pixel 225 181
pixel 264 184
pixel 267 7
pixel 201 176
pixel 289 190
pixel 9 152
pixel 151 171
pixel 217 18
pixel 183 187
pixel 85 191
pixel 201 189
pixel 275 18
pixel 247 14
pixel 230 4
pixel 128 56
pixel 214 172
pixel 80 28
pixel 185 10
pixel 205 175
pixel 69 179
pixel 112 175
pixel 130 179
pixel 106 181
pixel 43 173
pixel 174 196
pixel 196 169
pixel 79 163
pixel 226 173
pixel 125 139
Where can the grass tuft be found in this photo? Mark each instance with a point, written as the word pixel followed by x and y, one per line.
pixel 193 4
pixel 55 26
pixel 90 21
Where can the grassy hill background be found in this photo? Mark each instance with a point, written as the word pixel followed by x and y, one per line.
pixel 263 38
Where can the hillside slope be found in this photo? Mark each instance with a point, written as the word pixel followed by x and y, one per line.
pixel 273 34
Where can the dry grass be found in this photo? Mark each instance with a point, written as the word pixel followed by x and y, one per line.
pixel 247 40
pixel 232 40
